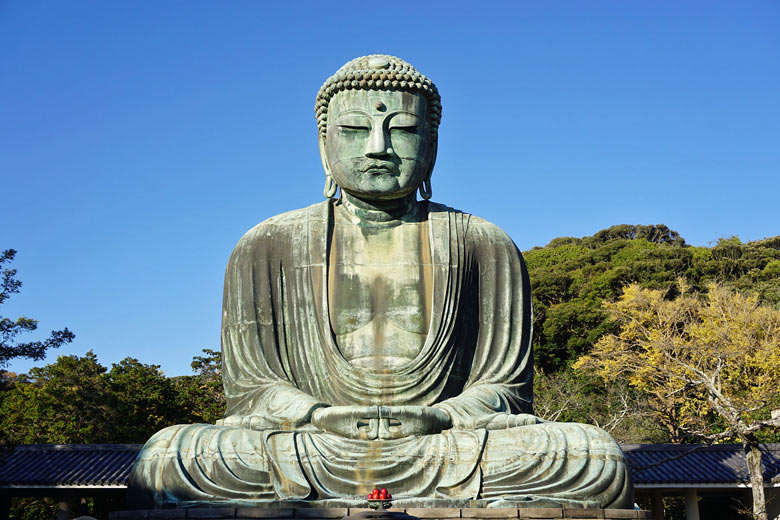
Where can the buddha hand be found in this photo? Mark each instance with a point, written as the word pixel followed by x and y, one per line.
pixel 381 422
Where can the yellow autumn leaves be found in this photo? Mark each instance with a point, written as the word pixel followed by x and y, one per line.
pixel 696 355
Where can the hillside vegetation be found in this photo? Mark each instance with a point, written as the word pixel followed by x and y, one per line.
pixel 571 277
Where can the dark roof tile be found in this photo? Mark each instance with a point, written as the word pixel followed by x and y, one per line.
pixel 68 464
pixel 697 464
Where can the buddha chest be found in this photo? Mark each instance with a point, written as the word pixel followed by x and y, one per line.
pixel 379 291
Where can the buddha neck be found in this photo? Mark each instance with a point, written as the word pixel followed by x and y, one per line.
pixel 380 213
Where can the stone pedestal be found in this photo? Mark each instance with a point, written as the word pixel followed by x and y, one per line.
pixel 336 513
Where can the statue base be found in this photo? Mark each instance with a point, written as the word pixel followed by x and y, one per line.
pixel 363 513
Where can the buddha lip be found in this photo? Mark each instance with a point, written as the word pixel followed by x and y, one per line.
pixel 379 168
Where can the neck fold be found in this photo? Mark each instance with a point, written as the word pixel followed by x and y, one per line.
pixel 380 211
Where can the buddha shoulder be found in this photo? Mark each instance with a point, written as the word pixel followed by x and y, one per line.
pixel 278 237
pixel 281 229
pixel 478 231
pixel 482 229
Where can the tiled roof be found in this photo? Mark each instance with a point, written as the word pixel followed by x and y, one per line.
pixel 50 465
pixel 692 464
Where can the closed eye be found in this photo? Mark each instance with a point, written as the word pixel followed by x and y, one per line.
pixel 354 127
pixel 409 129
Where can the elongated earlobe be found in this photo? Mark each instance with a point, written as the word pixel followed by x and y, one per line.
pixel 329 191
pixel 330 187
pixel 426 191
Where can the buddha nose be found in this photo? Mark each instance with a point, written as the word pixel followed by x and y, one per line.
pixel 378 142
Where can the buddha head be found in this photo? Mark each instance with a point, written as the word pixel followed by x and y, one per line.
pixel 378 121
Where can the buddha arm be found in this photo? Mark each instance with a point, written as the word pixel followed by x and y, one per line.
pixel 277 407
pixel 500 380
pixel 254 390
pixel 480 406
pixel 259 388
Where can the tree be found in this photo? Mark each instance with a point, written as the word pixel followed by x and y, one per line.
pixel 710 361
pixel 621 410
pixel 78 400
pixel 142 401
pixel 63 402
pixel 202 394
pixel 10 328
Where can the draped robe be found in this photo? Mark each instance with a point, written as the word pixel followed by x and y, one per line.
pixel 280 360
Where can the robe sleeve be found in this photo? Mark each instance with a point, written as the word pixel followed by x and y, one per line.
pixel 500 380
pixel 256 332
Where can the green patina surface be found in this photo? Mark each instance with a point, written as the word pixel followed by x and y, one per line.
pixel 378 339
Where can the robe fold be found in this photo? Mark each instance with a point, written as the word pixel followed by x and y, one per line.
pixel 281 361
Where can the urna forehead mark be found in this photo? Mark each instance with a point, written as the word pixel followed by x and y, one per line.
pixel 378 102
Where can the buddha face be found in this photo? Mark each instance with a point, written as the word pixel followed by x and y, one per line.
pixel 378 145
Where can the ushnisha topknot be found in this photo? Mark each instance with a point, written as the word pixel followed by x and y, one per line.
pixel 378 72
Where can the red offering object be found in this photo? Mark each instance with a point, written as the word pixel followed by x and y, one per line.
pixel 380 494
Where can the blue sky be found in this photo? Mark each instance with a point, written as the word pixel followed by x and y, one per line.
pixel 140 140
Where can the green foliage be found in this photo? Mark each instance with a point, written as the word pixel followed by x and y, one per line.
pixel 41 508
pixel 32 508
pixel 571 277
pixel 61 402
pixel 143 393
pixel 77 400
pixel 202 394
pixel 659 234
pixel 9 328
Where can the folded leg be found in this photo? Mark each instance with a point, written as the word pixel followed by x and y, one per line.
pixel 570 464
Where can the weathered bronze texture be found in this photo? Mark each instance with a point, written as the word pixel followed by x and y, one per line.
pixel 376 339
